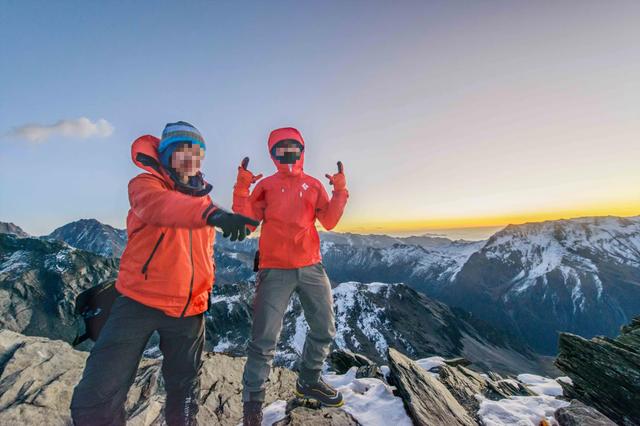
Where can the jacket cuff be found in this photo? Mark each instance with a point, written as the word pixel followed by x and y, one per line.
pixel 210 209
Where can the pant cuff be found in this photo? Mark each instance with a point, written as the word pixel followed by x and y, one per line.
pixel 307 376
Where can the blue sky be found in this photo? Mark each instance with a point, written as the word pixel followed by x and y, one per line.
pixel 444 113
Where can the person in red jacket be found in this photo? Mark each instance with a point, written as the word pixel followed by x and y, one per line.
pixel 165 281
pixel 288 203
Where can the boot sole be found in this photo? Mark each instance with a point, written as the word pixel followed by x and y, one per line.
pixel 303 396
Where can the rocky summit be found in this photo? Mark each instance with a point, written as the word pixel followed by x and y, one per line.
pixel 37 376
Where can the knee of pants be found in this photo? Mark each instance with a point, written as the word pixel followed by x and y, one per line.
pixel 325 332
pixel 183 376
pixel 263 348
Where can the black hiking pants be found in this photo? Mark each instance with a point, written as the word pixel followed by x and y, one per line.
pixel 99 398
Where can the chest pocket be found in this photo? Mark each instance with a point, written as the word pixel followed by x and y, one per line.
pixel 291 204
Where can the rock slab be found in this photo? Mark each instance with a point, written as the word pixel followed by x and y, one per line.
pixel 578 414
pixel 605 372
pixel 427 401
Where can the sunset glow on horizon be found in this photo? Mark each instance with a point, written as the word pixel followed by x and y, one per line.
pixel 445 115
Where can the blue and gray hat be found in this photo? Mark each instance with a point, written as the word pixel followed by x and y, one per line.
pixel 173 135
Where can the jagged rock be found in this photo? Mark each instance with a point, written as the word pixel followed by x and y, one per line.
pixel 369 371
pixel 457 361
pixel 578 414
pixel 302 416
pixel 37 377
pixel 505 388
pixel 605 372
pixel 464 384
pixel 342 360
pixel 427 401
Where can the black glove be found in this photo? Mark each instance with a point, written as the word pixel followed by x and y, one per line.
pixel 234 225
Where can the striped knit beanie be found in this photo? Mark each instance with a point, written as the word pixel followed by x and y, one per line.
pixel 175 134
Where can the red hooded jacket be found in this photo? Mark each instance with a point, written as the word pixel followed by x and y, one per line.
pixel 288 204
pixel 168 261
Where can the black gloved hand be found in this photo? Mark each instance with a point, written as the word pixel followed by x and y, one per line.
pixel 234 225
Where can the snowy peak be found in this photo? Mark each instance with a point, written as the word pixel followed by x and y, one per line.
pixel 615 237
pixel 579 275
pixel 13 229
pixel 92 235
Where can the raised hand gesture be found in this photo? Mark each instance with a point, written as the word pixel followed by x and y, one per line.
pixel 338 180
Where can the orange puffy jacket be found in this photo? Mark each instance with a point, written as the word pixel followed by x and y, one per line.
pixel 168 261
pixel 288 204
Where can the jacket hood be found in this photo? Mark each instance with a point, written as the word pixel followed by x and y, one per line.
pixel 144 154
pixel 286 133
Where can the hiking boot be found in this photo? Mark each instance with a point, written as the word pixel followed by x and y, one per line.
pixel 321 391
pixel 252 413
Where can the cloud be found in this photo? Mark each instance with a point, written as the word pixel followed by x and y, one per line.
pixel 78 128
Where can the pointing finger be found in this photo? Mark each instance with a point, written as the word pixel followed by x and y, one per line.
pixel 340 167
pixel 245 163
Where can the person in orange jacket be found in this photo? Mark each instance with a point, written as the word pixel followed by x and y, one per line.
pixel 165 281
pixel 288 203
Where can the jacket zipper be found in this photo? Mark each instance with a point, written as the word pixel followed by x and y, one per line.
pixel 146 264
pixel 192 274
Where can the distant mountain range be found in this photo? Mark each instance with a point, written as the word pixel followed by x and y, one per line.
pixel 579 275
pixel 532 280
pixel 40 278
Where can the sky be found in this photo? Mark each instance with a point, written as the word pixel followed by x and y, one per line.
pixel 445 114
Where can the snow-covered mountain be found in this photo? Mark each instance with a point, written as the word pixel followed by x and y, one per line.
pixel 93 236
pixel 39 281
pixel 423 267
pixel 578 275
pixel 370 318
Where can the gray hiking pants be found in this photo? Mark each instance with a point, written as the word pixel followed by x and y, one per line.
pixel 99 398
pixel 274 288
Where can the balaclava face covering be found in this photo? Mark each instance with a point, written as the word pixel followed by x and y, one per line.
pixel 288 157
pixel 290 163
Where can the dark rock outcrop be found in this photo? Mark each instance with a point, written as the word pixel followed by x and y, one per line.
pixel 342 360
pixel 605 372
pixel 427 401
pixel 578 414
